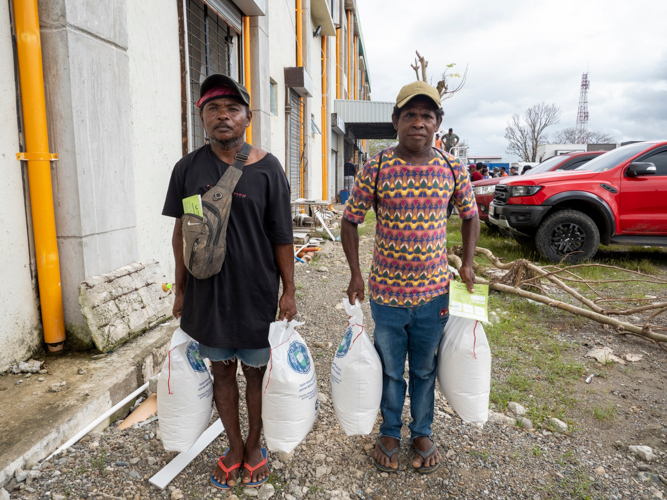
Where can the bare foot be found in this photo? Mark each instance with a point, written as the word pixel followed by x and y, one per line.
pixel 424 444
pixel 252 457
pixel 232 457
pixel 389 443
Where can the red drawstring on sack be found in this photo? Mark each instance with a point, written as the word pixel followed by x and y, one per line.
pixel 271 361
pixel 355 338
pixel 474 340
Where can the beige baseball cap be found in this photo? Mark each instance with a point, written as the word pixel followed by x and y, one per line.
pixel 417 88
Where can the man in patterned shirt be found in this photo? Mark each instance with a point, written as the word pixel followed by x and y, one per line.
pixel 409 187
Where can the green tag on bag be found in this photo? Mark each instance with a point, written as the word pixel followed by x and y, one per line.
pixel 469 305
pixel 192 205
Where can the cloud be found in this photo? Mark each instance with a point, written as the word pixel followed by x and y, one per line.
pixel 522 52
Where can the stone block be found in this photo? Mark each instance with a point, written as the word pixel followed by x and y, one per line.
pixel 124 303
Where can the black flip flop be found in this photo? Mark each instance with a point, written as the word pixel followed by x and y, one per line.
pixel 425 455
pixel 390 454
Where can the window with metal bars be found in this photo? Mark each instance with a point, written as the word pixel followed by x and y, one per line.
pixel 210 41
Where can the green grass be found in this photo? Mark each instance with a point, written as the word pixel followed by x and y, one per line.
pixel 367 228
pixel 604 413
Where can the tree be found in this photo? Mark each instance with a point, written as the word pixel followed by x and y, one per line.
pixel 525 138
pixel 443 85
pixel 572 135
pixel 377 145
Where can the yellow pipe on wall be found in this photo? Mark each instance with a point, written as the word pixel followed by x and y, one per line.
pixel 338 64
pixel 246 70
pixel 29 49
pixel 349 54
pixel 325 154
pixel 299 33
pixel 356 56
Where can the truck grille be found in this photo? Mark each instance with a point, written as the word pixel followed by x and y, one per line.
pixel 501 195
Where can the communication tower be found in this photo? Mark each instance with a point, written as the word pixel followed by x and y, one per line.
pixel 582 113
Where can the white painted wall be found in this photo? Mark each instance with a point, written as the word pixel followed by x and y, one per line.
pixel 546 151
pixel 282 54
pixel 20 328
pixel 155 83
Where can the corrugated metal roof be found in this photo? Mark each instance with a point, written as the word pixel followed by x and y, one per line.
pixel 363 111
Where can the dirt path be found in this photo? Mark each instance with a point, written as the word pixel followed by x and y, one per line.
pixel 542 367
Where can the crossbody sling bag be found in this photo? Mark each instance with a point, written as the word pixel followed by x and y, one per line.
pixel 205 238
pixel 450 206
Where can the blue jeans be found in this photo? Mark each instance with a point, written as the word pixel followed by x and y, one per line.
pixel 415 332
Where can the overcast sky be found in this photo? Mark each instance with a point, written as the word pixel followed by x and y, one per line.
pixel 523 52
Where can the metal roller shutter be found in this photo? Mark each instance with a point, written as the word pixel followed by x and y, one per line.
pixel 295 145
pixel 228 11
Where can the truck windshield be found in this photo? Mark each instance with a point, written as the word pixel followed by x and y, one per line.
pixel 609 160
pixel 546 165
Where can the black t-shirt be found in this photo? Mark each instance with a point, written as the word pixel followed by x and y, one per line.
pixel 234 308
pixel 349 169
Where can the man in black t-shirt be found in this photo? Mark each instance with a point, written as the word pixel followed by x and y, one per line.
pixel 229 313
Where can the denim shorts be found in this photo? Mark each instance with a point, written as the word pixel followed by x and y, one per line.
pixel 255 358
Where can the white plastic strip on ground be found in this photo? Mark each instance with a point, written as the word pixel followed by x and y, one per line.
pixel 167 474
pixel 98 421
pixel 325 226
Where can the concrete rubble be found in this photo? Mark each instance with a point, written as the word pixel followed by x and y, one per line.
pixel 121 304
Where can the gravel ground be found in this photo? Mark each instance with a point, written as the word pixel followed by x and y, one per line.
pixel 497 461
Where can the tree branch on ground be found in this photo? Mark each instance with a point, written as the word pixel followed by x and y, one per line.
pixel 523 278
pixel 524 136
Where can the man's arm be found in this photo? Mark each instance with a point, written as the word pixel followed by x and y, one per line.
pixel 285 260
pixel 181 275
pixel 350 239
pixel 470 233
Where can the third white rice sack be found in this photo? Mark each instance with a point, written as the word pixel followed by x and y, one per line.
pixel 356 377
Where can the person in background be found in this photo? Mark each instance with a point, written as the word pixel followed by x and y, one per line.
pixel 502 172
pixel 438 141
pixel 451 140
pixel 513 170
pixel 496 173
pixel 349 171
pixel 526 168
pixel 485 172
pixel 475 174
pixel 409 281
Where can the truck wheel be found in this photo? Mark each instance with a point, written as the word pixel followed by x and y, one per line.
pixel 569 236
pixel 524 241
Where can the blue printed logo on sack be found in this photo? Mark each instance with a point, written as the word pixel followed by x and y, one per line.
pixel 192 353
pixel 297 356
pixel 345 343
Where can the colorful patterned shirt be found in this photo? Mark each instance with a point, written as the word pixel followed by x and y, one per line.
pixel 410 255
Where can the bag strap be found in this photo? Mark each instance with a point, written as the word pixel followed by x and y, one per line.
pixel 240 160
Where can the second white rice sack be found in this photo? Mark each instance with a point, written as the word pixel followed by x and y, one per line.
pixel 464 368
pixel 356 377
pixel 289 389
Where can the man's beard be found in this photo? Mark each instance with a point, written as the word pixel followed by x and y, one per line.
pixel 227 143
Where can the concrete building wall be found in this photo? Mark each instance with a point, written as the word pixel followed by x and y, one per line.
pixel 282 54
pixel 20 328
pixel 155 83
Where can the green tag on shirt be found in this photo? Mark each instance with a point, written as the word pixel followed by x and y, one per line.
pixel 469 305
pixel 192 205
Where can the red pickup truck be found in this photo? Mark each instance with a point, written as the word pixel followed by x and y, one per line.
pixel 619 197
pixel 485 188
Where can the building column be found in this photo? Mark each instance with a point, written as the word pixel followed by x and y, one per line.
pixel 86 72
pixel 260 80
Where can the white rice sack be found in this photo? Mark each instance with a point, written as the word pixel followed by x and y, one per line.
pixel 464 368
pixel 184 394
pixel 356 376
pixel 289 396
